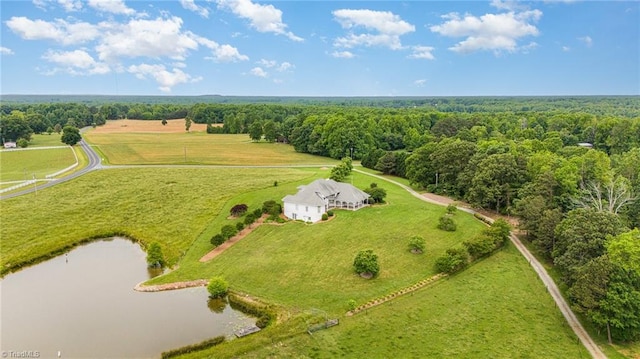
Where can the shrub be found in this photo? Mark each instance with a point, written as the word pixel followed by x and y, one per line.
pixel 499 232
pixel 228 231
pixel 366 262
pixel 194 347
pixel 280 220
pixel 480 246
pixel 218 239
pixel 446 223
pixel 454 260
pixel 239 226
pixel 217 287
pixel 250 218
pixel 275 183
pixel 352 304
pixel 330 213
pixel 325 216
pixel 272 208
pixel 377 194
pixel 451 209
pixel 257 213
pixel 154 256
pixel 22 143
pixel 417 244
pixel 263 321
pixel 238 210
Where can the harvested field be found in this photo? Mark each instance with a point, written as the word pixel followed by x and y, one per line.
pixel 147 126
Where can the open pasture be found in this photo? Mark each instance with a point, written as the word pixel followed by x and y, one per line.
pixel 139 144
pixel 498 308
pixel 303 266
pixel 22 165
pixel 170 206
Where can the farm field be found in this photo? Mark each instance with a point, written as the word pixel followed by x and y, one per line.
pixel 40 140
pixel 165 205
pixel 498 308
pixel 23 165
pixel 138 142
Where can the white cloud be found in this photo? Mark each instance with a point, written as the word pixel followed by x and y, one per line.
pixel 191 5
pixel 71 5
pixel 494 32
pixel 420 82
pixel 422 52
pixel 228 53
pixel 343 54
pixel 146 38
pixel 58 30
pixel 388 28
pixel 77 62
pixel 166 79
pixel 111 6
pixel 258 71
pixel 6 51
pixel 588 42
pixel 566 48
pixel 284 66
pixel 267 63
pixel 263 18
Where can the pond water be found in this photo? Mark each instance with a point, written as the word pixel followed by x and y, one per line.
pixel 83 305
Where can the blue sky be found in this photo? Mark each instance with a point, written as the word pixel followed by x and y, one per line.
pixel 320 48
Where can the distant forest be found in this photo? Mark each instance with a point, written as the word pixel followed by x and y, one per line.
pixel 568 167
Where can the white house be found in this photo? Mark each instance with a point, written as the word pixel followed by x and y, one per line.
pixel 321 195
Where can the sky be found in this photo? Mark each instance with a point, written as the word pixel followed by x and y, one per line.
pixel 320 48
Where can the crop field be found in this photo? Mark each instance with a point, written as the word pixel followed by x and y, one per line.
pixel 147 126
pixel 140 143
pixel 46 140
pixel 169 206
pixel 23 165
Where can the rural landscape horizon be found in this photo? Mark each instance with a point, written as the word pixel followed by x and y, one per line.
pixel 319 179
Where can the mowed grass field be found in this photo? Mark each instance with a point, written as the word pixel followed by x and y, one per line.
pixel 170 206
pixel 305 266
pixel 23 165
pixel 142 142
pixel 498 308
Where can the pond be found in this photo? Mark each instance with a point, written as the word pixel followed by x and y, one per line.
pixel 83 305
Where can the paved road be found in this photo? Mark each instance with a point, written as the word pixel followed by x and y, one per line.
pixel 94 163
pixel 552 288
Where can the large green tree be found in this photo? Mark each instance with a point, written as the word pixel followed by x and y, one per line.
pixel 70 135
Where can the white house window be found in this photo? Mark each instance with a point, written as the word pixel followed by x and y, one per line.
pixel 306 208
pixel 318 209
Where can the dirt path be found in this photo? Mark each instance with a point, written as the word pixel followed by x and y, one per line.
pixel 552 288
pixel 170 286
pixel 243 233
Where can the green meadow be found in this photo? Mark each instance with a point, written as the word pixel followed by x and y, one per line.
pixel 497 308
pixel 23 165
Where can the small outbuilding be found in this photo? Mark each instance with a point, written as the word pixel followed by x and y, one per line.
pixel 10 144
pixel 321 195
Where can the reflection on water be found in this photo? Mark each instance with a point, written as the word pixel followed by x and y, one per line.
pixel 83 305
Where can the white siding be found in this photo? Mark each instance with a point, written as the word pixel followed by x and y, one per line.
pixel 291 212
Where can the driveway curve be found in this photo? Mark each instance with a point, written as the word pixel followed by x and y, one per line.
pixel 551 286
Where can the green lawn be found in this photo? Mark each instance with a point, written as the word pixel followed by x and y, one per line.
pixel 196 148
pixel 304 266
pixel 46 140
pixel 498 308
pixel 21 165
pixel 171 206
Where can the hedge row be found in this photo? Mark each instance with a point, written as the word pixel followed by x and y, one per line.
pixel 194 347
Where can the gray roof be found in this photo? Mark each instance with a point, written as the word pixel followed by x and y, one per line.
pixel 315 192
